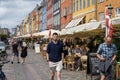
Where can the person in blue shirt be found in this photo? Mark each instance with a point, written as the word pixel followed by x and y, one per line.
pixel 106 53
pixel 55 56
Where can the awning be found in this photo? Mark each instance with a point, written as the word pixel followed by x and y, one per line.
pixel 27 35
pixel 63 31
pixel 70 31
pixel 74 22
pixel 88 27
pixel 84 27
pixel 36 34
pixel 46 32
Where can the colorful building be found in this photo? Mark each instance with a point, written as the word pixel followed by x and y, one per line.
pixel 35 22
pixel 56 14
pixel 44 13
pixel 40 17
pixel 85 9
pixel 4 31
pixel 49 14
pixel 101 8
pixel 66 12
pixel 24 27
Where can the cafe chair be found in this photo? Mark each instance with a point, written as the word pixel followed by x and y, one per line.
pixel 70 62
pixel 84 62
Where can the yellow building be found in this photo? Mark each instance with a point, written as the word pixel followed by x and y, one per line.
pixel 24 28
pixel 85 9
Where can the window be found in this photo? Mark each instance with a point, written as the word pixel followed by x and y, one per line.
pixel 100 0
pixel 88 3
pixel 70 9
pixel 84 3
pixel 65 12
pixel 76 5
pixel 80 4
pixel 56 6
pixel 59 4
pixel 57 20
pixel 117 12
pixel 101 16
pixel 73 5
pixel 93 1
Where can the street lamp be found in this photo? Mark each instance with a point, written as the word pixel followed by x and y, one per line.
pixel 110 10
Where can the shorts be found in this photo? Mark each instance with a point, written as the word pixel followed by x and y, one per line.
pixel 55 66
pixel 109 74
pixel 16 54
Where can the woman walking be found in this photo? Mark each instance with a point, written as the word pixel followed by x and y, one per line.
pixel 24 52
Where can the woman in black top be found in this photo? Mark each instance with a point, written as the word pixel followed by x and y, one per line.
pixel 24 52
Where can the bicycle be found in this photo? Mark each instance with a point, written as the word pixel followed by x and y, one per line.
pixel 3 55
pixel 2 74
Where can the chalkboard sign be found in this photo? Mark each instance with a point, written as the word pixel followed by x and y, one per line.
pixel 93 64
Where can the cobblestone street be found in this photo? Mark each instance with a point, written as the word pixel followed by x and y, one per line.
pixel 36 68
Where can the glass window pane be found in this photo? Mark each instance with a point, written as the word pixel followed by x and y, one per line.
pixel 93 1
pixel 101 16
pixel 84 3
pixel 88 3
pixel 80 4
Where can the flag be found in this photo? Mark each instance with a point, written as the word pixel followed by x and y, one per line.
pixel 109 27
pixel 31 36
pixel 49 32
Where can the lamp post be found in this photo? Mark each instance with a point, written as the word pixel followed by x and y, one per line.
pixel 110 10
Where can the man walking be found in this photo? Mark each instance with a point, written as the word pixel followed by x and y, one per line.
pixel 15 51
pixel 106 54
pixel 55 56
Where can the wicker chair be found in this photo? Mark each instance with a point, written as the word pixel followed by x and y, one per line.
pixel 70 61
pixel 84 62
pixel 65 63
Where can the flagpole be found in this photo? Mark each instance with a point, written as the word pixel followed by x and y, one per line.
pixel 106 31
pixel 106 21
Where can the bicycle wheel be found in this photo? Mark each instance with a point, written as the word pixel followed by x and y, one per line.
pixel 3 56
pixel 3 79
pixel 2 76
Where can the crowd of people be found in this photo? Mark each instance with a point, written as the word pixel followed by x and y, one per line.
pixel 57 50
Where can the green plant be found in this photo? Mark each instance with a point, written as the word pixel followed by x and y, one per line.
pixel 116 41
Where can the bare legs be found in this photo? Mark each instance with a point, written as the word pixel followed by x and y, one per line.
pixel 23 60
pixel 53 74
pixel 58 75
pixel 13 59
pixel 102 77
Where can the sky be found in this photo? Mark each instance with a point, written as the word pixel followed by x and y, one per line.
pixel 12 12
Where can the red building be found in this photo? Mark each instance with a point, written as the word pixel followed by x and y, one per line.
pixel 66 12
pixel 49 14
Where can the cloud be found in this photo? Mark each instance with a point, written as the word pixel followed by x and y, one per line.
pixel 3 10
pixel 12 12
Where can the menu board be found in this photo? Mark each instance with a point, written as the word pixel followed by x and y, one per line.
pixel 94 61
pixel 37 48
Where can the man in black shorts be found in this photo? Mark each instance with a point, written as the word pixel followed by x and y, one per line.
pixel 15 51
